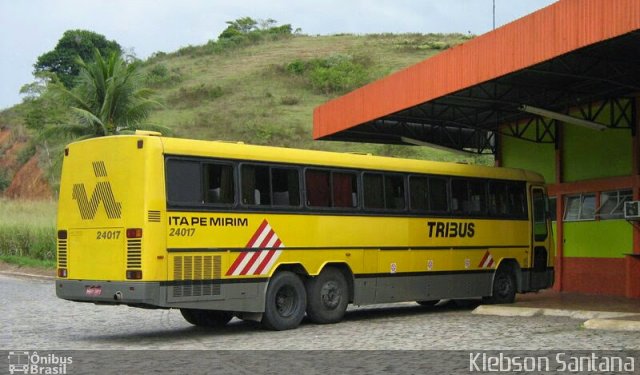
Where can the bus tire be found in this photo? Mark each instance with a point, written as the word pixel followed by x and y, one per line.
pixel 504 287
pixel 328 296
pixel 285 302
pixel 206 318
pixel 428 303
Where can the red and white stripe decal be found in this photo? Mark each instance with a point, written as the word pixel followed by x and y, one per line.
pixel 261 261
pixel 487 260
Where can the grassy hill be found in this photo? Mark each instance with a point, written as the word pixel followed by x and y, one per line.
pixel 257 93
pixel 262 92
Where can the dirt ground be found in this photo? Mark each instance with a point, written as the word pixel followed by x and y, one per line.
pixel 13 269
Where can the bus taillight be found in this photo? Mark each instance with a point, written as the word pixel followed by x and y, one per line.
pixel 134 233
pixel 134 274
pixel 62 272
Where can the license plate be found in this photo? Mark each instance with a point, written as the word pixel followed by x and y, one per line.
pixel 93 291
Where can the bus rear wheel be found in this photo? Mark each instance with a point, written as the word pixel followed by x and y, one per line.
pixel 285 302
pixel 328 296
pixel 206 318
pixel 504 287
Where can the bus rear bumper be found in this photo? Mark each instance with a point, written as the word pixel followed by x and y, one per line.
pixel 109 292
pixel 237 297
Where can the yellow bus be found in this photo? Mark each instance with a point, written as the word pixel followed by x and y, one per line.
pixel 220 229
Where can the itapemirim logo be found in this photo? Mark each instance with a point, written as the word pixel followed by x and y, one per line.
pixel 24 362
pixel 101 193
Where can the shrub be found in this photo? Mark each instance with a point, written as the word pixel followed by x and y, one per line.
pixel 192 96
pixel 289 100
pixel 26 153
pixel 5 180
pixel 334 74
pixel 160 75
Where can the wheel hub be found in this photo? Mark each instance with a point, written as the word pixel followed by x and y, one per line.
pixel 330 295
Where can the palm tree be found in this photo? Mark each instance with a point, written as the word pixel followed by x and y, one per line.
pixel 109 98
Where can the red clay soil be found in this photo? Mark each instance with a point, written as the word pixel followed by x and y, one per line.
pixel 9 159
pixel 29 183
pixel 4 136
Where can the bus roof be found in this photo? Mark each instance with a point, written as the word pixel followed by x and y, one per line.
pixel 241 151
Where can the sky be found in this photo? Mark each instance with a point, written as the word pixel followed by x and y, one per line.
pixel 29 28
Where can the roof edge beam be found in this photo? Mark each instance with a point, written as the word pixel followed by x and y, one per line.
pixel 562 117
pixel 416 142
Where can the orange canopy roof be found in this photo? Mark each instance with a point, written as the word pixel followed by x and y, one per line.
pixel 551 32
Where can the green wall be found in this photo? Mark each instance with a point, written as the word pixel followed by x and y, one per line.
pixel 597 239
pixel 538 157
pixel 587 154
pixel 590 154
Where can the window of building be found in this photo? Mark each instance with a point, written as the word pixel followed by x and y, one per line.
pixel 612 204
pixel 580 207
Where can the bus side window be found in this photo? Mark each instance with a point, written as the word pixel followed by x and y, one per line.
pixel 373 190
pixel 394 192
pixel 419 190
pixel 286 186
pixel 459 196
pixel 516 200
pixel 477 196
pixel 255 185
pixel 318 189
pixel 497 198
pixel 219 187
pixel 183 182
pixel 438 197
pixel 344 190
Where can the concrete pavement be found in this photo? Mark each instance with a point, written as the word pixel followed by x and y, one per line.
pixel 598 312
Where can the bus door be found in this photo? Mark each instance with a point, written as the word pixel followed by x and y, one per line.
pixel 540 239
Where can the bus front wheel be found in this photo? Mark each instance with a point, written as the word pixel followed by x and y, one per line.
pixel 504 287
pixel 328 296
pixel 285 302
pixel 206 318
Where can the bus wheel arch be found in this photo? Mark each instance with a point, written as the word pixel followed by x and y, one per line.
pixel 328 294
pixel 505 283
pixel 296 268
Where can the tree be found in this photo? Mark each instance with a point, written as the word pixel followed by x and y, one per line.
pixel 242 25
pixel 63 59
pixel 247 26
pixel 108 97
